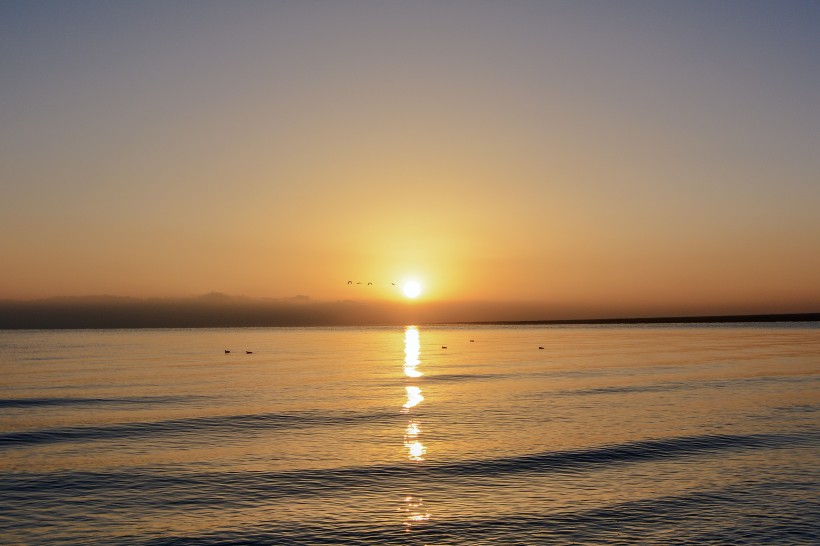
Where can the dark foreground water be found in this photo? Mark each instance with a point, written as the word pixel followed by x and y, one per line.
pixel 606 435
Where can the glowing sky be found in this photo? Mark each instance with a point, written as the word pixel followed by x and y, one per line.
pixel 616 155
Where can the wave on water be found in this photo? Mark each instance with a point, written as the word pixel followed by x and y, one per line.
pixel 229 424
pixel 316 445
pixel 85 401
pixel 463 377
pixel 670 386
pixel 255 486
pixel 732 514
pixel 720 516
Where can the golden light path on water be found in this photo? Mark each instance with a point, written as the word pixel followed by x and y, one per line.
pixel 414 398
pixel 412 350
pixel 413 507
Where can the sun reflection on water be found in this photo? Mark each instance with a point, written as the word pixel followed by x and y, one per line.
pixel 413 430
pixel 414 397
pixel 414 511
pixel 415 449
pixel 413 507
pixel 412 349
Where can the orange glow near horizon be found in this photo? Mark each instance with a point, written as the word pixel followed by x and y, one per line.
pixel 564 164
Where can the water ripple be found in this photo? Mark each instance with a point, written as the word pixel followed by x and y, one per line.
pixel 725 512
pixel 83 401
pixel 241 488
pixel 205 425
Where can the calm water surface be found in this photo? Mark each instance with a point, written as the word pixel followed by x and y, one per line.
pixel 605 435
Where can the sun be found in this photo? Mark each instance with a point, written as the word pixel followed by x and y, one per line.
pixel 411 289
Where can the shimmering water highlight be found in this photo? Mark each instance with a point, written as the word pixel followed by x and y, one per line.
pixel 609 435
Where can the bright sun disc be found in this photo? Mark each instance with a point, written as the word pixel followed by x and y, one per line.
pixel 411 289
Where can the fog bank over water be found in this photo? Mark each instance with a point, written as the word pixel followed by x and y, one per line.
pixel 220 310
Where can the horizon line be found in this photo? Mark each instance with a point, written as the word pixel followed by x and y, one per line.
pixel 685 319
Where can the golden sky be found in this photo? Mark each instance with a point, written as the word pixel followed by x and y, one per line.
pixel 610 157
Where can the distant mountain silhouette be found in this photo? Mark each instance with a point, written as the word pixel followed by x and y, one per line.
pixel 222 310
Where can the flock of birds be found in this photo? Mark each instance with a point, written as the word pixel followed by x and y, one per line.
pixel 368 284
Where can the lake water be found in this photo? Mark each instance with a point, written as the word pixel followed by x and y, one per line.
pixel 605 435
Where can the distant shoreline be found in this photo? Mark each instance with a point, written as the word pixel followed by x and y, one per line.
pixel 705 319
pixel 218 312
